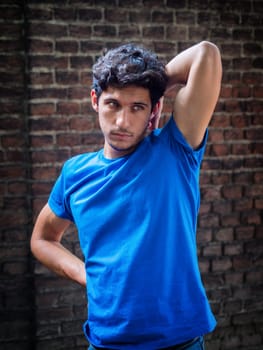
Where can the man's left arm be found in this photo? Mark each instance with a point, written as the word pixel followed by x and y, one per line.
pixel 199 70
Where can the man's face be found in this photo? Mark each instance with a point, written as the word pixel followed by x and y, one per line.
pixel 125 118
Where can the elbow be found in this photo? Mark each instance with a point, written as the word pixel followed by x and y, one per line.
pixel 33 245
pixel 210 49
pixel 210 53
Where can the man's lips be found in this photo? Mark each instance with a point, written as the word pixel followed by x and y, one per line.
pixel 121 134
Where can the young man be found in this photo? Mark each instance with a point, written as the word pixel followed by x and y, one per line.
pixel 135 203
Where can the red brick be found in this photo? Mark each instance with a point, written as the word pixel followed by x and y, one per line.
pixel 90 14
pixel 259 203
pixel 185 17
pixel 222 207
pixel 231 220
pixel 139 16
pixel 242 92
pixel 39 14
pixel 254 277
pixel 79 92
pixel 16 187
pixel 221 179
pixel 67 46
pixel 205 208
pixel 79 31
pixel 195 33
pixel 243 178
pixel 15 268
pixel 210 193
pixel 41 78
pixel 128 31
pixel 213 250
pixel 204 235
pixel 204 265
pixel 153 32
pixel 252 78
pixel 11 123
pixel 234 278
pixel 241 63
pixel 243 204
pixel 81 62
pixel 254 191
pixel 7 220
pixel 258 177
pixel 232 192
pixel 44 173
pixel 42 141
pixel 38 46
pixel 241 148
pixel 209 220
pixel 241 263
pixel 51 123
pixel 104 31
pixel 45 93
pixel 45 109
pixel 162 16
pixel 47 30
pixel 220 150
pixel 221 264
pixel 88 46
pixel 52 156
pixel 12 30
pixel 66 14
pixel 252 340
pixel 244 233
pixel 216 135
pixel 48 62
pixel 233 249
pixel 68 108
pixel 14 140
pixel 68 140
pixel 224 234
pixel 81 123
pixel 242 34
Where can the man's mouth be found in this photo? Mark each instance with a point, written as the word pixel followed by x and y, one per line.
pixel 121 134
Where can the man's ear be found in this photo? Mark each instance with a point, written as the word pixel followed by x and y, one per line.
pixel 94 100
pixel 156 114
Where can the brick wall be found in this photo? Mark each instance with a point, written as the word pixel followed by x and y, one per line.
pixel 16 278
pixel 47 49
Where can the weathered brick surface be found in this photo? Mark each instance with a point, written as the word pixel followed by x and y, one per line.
pixel 46 52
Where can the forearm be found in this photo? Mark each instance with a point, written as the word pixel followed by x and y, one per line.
pixel 46 246
pixel 58 259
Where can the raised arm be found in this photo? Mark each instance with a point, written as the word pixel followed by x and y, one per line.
pixel 199 70
pixel 46 246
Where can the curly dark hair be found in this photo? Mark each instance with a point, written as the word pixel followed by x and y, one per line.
pixel 127 65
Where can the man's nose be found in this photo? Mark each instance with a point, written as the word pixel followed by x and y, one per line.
pixel 122 119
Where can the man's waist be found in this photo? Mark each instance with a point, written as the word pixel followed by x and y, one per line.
pixel 180 346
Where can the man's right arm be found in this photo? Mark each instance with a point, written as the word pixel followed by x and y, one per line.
pixel 46 247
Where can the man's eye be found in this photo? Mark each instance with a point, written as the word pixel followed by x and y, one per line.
pixel 112 104
pixel 138 108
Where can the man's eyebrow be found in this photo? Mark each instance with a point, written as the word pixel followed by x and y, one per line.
pixel 137 103
pixel 140 103
pixel 110 99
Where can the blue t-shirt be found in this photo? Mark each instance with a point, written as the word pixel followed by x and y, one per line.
pixel 136 217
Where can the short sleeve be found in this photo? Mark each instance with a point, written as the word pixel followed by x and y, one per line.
pixel 177 140
pixel 58 197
